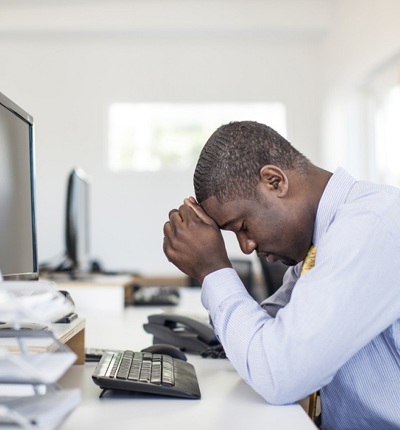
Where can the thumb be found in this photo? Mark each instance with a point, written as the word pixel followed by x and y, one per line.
pixel 191 202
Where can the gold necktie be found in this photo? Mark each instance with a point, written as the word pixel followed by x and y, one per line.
pixel 309 260
pixel 308 264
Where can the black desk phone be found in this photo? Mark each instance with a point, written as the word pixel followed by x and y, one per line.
pixel 188 334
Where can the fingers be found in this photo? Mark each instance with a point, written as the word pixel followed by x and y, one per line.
pixel 191 202
pixel 177 219
pixel 180 220
pixel 177 234
pixel 171 212
pixel 193 242
pixel 183 214
pixel 166 245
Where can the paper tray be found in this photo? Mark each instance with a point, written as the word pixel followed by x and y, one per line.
pixel 32 357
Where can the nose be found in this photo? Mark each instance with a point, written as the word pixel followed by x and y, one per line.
pixel 246 245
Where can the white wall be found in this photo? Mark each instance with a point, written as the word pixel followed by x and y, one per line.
pixel 364 38
pixel 66 61
pixel 66 75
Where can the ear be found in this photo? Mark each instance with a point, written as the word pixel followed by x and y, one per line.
pixel 274 179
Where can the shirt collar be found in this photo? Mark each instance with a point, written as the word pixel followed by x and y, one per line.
pixel 335 193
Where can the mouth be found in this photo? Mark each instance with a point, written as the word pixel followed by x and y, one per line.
pixel 273 258
pixel 268 256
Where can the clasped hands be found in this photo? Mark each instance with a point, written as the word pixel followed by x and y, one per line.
pixel 194 242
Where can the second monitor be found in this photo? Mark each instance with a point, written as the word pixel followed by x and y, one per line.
pixel 77 223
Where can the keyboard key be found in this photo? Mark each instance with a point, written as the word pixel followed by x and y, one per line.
pixel 168 371
pixel 114 369
pixel 156 370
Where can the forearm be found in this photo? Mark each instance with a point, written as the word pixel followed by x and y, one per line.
pixel 247 333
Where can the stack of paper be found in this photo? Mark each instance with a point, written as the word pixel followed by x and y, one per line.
pixel 34 301
pixel 32 361
pixel 41 412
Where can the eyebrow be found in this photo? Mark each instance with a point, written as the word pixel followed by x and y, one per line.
pixel 230 222
pixel 226 224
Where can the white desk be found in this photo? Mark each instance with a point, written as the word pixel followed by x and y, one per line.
pixel 227 401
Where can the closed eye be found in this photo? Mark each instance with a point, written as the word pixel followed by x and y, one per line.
pixel 243 227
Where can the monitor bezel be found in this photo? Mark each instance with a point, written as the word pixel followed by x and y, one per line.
pixel 27 118
pixel 77 179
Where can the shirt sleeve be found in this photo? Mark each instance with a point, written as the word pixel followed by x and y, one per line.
pixel 334 311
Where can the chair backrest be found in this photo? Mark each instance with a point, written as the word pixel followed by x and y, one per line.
pixel 273 275
pixel 244 268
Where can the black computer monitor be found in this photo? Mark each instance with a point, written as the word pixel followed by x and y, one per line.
pixel 77 223
pixel 18 243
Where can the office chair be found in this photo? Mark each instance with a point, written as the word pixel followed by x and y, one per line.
pixel 313 406
pixel 244 268
pixel 273 275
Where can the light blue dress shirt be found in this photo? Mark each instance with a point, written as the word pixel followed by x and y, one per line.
pixel 337 328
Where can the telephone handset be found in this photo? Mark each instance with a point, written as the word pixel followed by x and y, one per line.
pixel 187 333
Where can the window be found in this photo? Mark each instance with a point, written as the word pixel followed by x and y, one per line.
pixel 383 91
pixel 387 137
pixel 154 136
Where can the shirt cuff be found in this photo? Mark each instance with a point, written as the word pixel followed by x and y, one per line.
pixel 218 286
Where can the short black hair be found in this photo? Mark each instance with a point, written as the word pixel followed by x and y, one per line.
pixel 230 162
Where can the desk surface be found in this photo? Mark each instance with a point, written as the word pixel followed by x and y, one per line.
pixel 227 401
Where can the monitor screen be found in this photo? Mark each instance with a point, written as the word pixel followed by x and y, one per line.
pixel 18 247
pixel 77 222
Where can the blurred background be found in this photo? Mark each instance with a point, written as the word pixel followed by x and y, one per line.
pixel 129 90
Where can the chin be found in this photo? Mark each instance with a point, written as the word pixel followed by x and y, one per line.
pixel 289 261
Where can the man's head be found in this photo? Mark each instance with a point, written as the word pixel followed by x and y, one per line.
pixel 252 181
pixel 230 162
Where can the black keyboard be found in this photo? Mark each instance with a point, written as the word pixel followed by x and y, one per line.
pixel 155 296
pixel 148 373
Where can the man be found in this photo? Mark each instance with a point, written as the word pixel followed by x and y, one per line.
pixel 336 328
